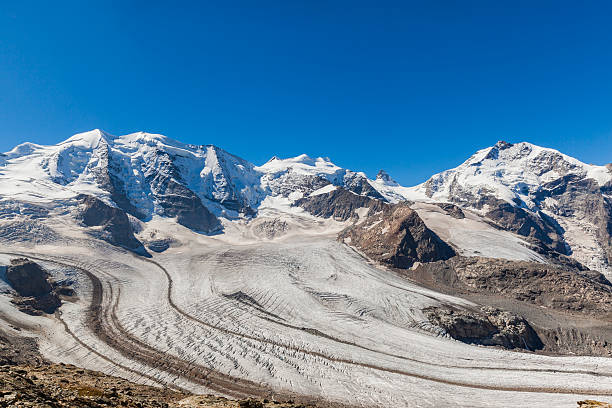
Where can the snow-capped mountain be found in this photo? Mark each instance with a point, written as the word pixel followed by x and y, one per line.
pixel 552 199
pixel 143 174
pixel 534 191
pixel 185 266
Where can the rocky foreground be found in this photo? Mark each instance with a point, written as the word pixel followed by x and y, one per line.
pixel 28 380
pixel 59 385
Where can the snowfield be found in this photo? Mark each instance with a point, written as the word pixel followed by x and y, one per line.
pixel 298 313
pixel 472 236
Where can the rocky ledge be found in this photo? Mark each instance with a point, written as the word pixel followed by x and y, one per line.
pixel 546 285
pixel 488 326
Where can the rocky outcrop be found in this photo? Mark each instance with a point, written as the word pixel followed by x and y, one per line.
pixel 358 184
pixel 64 385
pixel 396 236
pixel 159 245
pixel 175 199
pixel 28 278
pixel 35 292
pixel 384 177
pixel 549 286
pixel 583 201
pixel 593 404
pixel 554 200
pixel 339 204
pixel 115 226
pixel 452 210
pixel 392 234
pixel 18 350
pixel 538 228
pixel 575 341
pixel 487 326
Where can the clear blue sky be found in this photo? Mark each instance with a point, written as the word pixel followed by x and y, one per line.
pixel 413 87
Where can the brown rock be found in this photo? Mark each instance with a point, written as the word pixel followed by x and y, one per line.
pixel 398 237
pixel 488 326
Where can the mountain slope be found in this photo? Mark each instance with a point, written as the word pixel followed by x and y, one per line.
pixel 535 192
pixel 555 202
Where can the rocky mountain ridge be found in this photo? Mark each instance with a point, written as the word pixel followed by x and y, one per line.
pixel 554 201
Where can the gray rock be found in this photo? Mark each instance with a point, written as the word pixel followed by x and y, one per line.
pixel 28 278
pixel 452 210
pixel 116 226
pixel 31 282
pixel 159 245
pixel 552 286
pixel 177 200
pixel 339 204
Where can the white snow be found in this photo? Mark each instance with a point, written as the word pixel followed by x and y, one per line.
pixel 375 349
pixel 324 190
pixel 508 174
pixel 472 236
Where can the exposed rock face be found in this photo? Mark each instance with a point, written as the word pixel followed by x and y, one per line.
pixel 489 327
pixel 389 233
pixel 515 219
pixel 593 404
pixel 232 181
pixel 107 173
pixel 159 245
pixel 28 278
pixel 384 177
pixel 175 199
pixel 36 305
pixel 550 286
pixel 35 291
pixel 452 210
pixel 554 287
pixel 575 341
pixel 358 184
pixel 116 226
pixel 339 204
pixel 577 201
pixel 396 236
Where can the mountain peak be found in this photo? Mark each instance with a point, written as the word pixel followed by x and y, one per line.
pixel 384 177
pixel 501 145
pixel 91 138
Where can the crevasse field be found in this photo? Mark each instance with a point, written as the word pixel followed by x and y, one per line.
pixel 297 314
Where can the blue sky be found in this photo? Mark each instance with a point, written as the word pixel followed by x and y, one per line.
pixel 411 87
